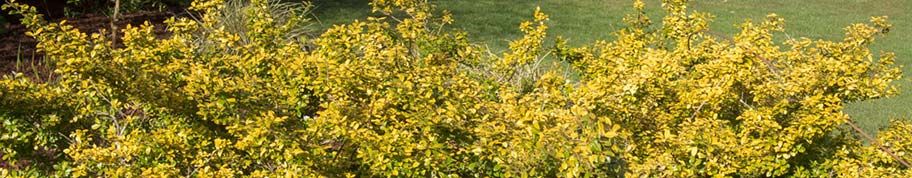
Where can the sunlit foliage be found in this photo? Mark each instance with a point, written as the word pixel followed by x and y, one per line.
pixel 402 96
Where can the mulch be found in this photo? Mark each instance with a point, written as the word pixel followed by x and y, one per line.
pixel 18 52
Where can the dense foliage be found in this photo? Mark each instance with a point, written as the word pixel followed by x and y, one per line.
pixel 403 96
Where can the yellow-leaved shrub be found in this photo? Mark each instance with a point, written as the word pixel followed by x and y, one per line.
pixel 404 96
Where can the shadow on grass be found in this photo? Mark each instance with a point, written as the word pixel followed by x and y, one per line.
pixel 330 12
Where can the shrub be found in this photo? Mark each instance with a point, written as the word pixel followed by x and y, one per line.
pixel 403 97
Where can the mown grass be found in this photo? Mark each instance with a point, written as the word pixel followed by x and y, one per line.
pixel 494 22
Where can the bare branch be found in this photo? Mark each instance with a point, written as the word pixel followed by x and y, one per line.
pixel 874 142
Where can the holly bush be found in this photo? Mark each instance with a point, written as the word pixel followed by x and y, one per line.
pixel 405 96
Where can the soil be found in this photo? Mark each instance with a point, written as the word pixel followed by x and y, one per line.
pixel 18 52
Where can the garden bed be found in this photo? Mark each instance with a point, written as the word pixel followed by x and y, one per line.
pixel 18 52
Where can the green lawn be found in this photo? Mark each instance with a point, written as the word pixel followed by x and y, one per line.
pixel 494 23
pixel 825 19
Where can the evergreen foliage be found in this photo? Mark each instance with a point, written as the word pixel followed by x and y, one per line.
pixel 401 96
